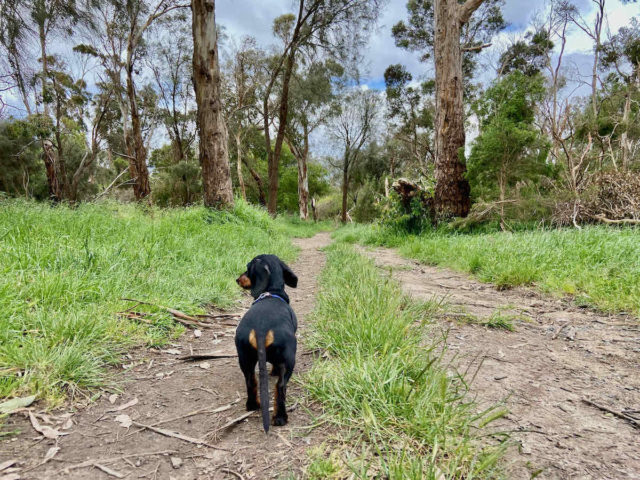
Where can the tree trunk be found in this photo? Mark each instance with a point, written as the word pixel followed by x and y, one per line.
pixel 283 112
pixel 303 179
pixel 502 180
pixel 49 158
pixel 45 65
pixel 625 143
pixel 452 194
pixel 345 187
pixel 597 33
pixel 141 187
pixel 239 166
pixel 214 156
pixel 260 184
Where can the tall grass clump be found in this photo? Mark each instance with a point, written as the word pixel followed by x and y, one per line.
pixel 385 383
pixel 598 266
pixel 64 272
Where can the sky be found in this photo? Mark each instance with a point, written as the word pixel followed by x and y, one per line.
pixel 382 51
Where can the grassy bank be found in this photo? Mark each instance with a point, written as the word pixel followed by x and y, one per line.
pixel 64 271
pixel 598 266
pixel 404 415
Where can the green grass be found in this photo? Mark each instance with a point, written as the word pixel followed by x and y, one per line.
pixel 598 266
pixel 403 414
pixel 64 271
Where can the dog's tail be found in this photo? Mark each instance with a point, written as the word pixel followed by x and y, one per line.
pixel 263 380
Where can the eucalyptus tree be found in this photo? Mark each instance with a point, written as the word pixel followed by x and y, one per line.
pixel 621 56
pixel 212 129
pixel 339 28
pixel 411 110
pixel 243 76
pixel 353 129
pixel 452 32
pixel 313 104
pixel 118 40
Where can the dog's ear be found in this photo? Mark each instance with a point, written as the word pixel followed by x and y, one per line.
pixel 290 278
pixel 259 275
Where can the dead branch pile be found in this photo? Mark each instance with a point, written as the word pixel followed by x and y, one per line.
pixel 611 197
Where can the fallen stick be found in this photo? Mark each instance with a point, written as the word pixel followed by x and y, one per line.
pixel 236 420
pixel 108 471
pixel 207 355
pixel 91 463
pixel 220 315
pixel 232 472
pixel 179 316
pixel 621 415
pixel 190 414
pixel 179 436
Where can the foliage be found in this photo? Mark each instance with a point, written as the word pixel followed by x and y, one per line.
pixel 64 274
pixel 509 149
pixel 416 34
pixel 385 382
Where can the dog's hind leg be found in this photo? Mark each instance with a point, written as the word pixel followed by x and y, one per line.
pixel 248 367
pixel 280 417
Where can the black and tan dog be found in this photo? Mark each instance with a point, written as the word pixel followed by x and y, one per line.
pixel 267 333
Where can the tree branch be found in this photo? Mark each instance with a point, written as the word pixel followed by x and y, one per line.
pixel 466 10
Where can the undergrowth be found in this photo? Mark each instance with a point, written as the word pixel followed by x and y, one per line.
pixel 402 413
pixel 64 272
pixel 598 266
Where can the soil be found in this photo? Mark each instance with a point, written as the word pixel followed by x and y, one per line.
pixel 558 356
pixel 159 387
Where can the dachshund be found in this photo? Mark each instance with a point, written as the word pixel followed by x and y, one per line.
pixel 267 333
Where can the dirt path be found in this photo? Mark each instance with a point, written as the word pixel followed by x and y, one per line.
pixel 163 388
pixel 557 356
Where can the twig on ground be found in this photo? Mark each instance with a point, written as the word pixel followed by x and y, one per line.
pixel 190 414
pixel 207 355
pixel 179 436
pixel 108 471
pixel 178 316
pixel 628 418
pixel 232 472
pixel 91 463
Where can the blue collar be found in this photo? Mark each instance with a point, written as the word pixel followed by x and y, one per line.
pixel 267 295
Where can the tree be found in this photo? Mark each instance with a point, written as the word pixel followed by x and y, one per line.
pixel 312 105
pixel 171 67
pixel 413 113
pixel 243 77
pixel 509 148
pixel 621 53
pixel 117 41
pixel 353 128
pixel 455 34
pixel 214 155
pixel 528 56
pixel 336 26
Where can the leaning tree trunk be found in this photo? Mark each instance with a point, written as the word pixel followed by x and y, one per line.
pixel 452 194
pixel 214 156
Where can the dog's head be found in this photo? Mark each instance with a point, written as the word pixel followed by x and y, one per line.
pixel 266 273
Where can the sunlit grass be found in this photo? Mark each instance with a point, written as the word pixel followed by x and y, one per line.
pixel 598 266
pixel 63 273
pixel 385 383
